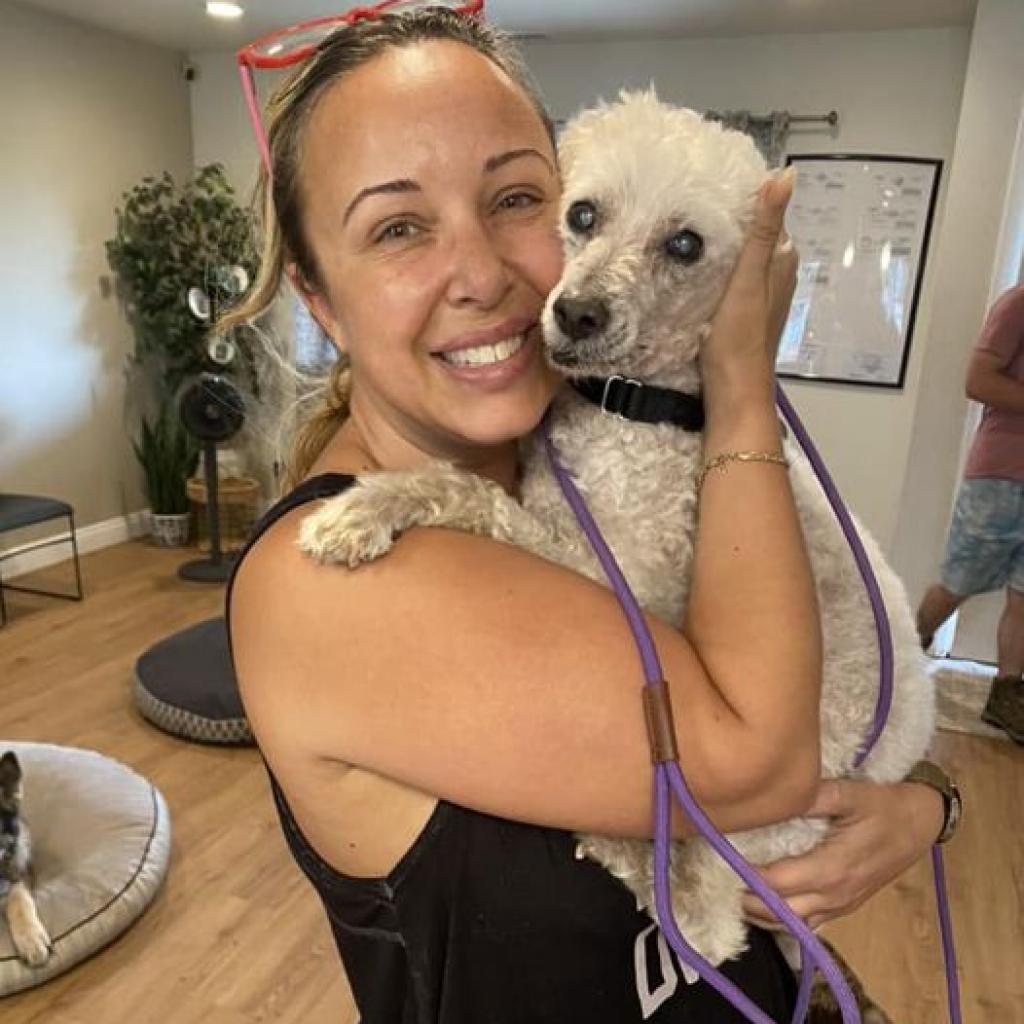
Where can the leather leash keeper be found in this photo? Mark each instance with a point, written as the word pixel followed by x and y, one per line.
pixel 661 726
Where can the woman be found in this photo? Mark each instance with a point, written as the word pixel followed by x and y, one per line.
pixel 437 723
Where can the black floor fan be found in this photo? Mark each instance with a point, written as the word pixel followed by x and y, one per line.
pixel 211 410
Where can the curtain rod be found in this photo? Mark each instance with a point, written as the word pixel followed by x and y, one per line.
pixel 831 118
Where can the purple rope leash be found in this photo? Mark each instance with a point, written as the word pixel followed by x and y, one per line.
pixel 867 574
pixel 946 927
pixel 669 777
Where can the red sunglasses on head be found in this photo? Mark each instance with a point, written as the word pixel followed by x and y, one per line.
pixel 294 44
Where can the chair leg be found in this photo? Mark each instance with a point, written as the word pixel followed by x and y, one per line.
pixel 74 551
pixel 76 596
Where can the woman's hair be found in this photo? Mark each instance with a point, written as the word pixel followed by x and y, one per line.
pixel 284 237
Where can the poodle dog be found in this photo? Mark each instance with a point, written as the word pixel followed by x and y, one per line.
pixel 27 932
pixel 656 205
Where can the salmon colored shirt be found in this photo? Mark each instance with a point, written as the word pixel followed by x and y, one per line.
pixel 998 447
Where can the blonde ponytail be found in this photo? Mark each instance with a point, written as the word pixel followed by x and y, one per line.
pixel 329 412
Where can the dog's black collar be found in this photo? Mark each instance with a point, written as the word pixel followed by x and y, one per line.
pixel 644 403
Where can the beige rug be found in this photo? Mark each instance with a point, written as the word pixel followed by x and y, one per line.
pixel 961 689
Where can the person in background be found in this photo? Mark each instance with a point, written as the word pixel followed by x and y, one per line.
pixel 985 548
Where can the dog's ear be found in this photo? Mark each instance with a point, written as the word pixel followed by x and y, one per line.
pixel 10 769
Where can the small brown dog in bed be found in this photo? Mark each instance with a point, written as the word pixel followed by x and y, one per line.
pixel 30 937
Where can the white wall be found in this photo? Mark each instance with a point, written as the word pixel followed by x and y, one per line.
pixel 971 264
pixel 84 115
pixel 896 93
pixel 220 119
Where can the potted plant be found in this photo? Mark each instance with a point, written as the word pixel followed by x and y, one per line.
pixel 170 241
pixel 168 456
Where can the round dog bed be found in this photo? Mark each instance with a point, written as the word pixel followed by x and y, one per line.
pixel 186 686
pixel 101 841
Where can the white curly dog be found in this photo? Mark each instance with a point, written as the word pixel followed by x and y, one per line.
pixel 655 209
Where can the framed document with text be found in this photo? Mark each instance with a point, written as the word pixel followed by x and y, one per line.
pixel 862 225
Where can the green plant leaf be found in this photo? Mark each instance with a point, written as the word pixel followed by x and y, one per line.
pixel 168 455
pixel 166 240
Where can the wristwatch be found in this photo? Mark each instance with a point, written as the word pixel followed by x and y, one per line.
pixel 930 774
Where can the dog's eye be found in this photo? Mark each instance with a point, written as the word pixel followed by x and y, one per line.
pixel 685 246
pixel 581 217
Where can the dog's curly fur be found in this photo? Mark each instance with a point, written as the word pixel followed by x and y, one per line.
pixel 651 171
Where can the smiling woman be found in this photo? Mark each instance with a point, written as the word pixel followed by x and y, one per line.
pixel 414 207
pixel 359 236
pixel 455 252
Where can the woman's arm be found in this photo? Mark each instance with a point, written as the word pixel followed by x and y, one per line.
pixel 475 672
pixel 752 617
pixel 988 382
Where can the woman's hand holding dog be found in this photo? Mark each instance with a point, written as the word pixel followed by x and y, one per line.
pixel 877 832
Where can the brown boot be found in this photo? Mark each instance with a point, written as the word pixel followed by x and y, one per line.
pixel 1005 707
pixel 825 1010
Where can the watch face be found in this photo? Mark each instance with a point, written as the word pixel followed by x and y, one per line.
pixel 955 809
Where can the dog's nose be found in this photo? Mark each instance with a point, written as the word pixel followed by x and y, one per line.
pixel 580 318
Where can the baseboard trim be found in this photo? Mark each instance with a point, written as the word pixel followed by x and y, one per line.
pixel 961 670
pixel 93 537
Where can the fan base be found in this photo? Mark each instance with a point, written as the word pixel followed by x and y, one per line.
pixel 205 570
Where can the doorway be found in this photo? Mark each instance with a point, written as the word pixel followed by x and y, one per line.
pixel 971 633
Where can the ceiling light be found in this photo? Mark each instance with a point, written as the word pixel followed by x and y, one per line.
pixel 222 9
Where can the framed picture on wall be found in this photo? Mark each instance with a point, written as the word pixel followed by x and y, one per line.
pixel 862 225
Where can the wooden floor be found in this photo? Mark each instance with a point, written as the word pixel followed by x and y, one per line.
pixel 236 936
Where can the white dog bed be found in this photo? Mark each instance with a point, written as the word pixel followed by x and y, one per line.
pixel 101 841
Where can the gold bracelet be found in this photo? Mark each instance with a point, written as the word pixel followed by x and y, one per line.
pixel 721 461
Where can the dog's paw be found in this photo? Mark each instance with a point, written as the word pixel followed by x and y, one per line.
pixel 33 944
pixel 346 531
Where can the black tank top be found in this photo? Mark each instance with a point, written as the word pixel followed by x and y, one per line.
pixel 492 921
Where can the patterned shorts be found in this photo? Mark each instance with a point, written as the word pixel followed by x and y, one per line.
pixel 985 549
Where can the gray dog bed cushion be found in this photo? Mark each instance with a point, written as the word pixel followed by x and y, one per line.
pixel 101 842
pixel 185 685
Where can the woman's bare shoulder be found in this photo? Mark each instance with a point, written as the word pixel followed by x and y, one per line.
pixel 359 822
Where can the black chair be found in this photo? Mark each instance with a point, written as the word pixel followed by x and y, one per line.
pixel 20 510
